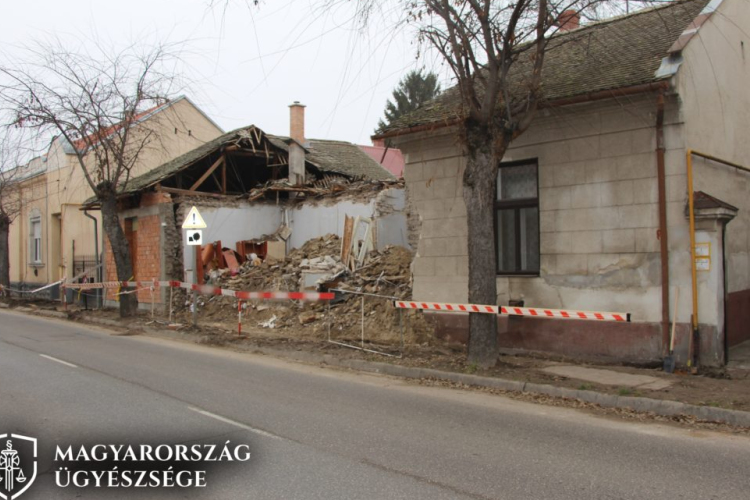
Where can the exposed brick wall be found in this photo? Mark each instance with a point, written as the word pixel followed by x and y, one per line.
pixel 111 270
pixel 148 256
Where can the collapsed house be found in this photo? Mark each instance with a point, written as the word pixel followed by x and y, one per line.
pixel 260 195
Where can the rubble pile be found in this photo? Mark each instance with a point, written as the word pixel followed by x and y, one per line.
pixel 317 266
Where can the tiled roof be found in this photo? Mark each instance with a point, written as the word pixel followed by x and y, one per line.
pixel 345 158
pixel 613 54
pixel 334 157
pixel 702 200
pixel 390 158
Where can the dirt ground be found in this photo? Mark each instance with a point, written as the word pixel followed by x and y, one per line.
pixel 725 388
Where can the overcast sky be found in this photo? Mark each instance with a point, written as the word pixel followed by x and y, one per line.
pixel 247 64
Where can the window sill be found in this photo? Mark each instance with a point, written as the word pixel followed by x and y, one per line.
pixel 518 275
pixel 37 265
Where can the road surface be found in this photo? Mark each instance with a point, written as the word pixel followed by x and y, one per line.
pixel 317 433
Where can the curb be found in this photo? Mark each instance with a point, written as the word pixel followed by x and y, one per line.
pixel 657 406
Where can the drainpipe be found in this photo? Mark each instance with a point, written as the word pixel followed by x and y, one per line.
pixel 96 251
pixel 663 232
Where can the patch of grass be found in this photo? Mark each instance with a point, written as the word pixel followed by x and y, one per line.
pixel 624 391
pixel 585 387
pixel 472 367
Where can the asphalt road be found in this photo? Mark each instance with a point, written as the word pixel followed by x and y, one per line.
pixel 319 433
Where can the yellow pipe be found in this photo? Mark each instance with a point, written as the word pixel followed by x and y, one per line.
pixel 691 206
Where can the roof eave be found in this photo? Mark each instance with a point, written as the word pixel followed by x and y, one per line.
pixel 661 85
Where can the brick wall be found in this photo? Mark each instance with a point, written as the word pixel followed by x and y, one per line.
pixel 147 257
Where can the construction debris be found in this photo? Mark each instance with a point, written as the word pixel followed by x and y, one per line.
pixel 384 275
pixel 329 186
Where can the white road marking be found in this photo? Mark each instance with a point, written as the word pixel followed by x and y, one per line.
pixel 59 361
pixel 234 423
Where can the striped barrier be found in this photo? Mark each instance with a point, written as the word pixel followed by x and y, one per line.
pixel 514 311
pixel 205 290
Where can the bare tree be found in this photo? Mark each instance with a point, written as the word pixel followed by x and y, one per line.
pixel 481 41
pixel 495 50
pixel 10 204
pixel 97 103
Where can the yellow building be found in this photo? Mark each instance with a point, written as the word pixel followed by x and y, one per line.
pixel 52 238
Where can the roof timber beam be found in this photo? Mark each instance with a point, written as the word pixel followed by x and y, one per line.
pixel 208 172
pixel 186 192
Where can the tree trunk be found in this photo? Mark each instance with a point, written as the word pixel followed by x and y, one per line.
pixel 4 252
pixel 480 181
pixel 120 250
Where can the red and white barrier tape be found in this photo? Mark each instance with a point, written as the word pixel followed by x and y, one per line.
pixel 515 311
pixel 206 290
pixel 434 306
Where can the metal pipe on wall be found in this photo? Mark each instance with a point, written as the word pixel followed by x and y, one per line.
pixel 663 231
pixel 692 358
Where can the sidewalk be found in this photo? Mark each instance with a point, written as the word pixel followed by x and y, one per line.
pixel 720 396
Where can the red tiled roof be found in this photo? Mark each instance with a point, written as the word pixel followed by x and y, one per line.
pixel 390 159
pixel 106 132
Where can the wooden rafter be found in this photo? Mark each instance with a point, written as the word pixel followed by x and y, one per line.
pixel 224 178
pixel 208 172
pixel 186 192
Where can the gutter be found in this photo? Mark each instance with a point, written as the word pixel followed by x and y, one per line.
pixel 662 85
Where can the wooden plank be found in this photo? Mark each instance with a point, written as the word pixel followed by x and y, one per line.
pixel 186 192
pixel 224 178
pixel 346 241
pixel 207 173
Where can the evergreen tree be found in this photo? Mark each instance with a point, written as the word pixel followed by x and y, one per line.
pixel 412 91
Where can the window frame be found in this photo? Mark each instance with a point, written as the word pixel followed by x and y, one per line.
pixel 33 261
pixel 517 205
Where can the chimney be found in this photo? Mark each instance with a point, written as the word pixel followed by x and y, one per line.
pixel 296 150
pixel 568 20
pixel 297 122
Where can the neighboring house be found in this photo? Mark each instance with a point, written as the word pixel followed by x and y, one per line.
pixel 248 185
pixel 390 158
pixel 53 238
pixel 579 199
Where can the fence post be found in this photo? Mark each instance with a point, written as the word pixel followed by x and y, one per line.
pixel 171 291
pixel 239 318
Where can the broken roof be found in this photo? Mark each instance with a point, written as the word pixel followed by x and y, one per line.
pixel 332 157
pixel 621 52
pixel 345 158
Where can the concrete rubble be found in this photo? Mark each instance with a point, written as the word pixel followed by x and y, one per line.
pixel 317 266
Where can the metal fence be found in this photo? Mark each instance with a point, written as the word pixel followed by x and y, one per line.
pixel 85 266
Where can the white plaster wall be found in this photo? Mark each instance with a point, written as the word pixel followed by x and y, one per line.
pixel 392 227
pixel 232 224
pixel 598 209
pixel 311 221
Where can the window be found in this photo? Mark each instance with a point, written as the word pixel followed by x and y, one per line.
pixel 517 218
pixel 35 240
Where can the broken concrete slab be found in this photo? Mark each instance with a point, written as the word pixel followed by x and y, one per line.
pixel 609 377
